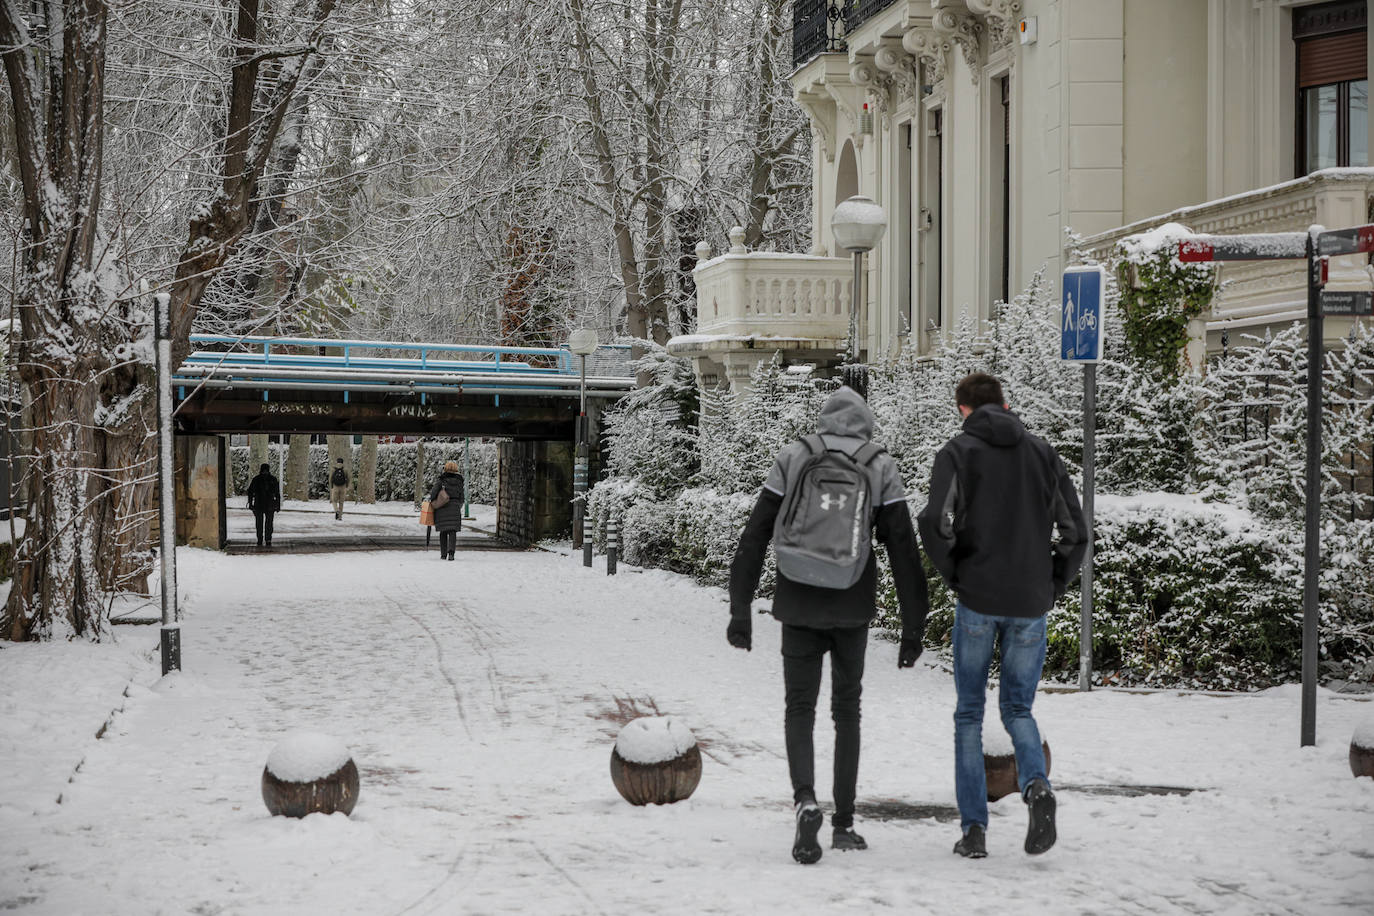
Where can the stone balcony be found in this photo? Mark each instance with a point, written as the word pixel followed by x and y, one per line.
pixel 752 305
pixel 1253 295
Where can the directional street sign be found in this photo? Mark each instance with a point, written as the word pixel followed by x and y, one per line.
pixel 1268 246
pixel 1080 338
pixel 1346 241
pixel 1344 302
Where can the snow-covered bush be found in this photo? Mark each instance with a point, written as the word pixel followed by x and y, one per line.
pixel 1185 592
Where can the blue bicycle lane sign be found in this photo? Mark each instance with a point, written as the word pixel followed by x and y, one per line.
pixel 1080 338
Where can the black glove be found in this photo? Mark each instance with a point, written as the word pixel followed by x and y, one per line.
pixel 909 652
pixel 740 633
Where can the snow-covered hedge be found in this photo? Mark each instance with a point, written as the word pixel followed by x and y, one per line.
pixel 1186 592
pixel 395 468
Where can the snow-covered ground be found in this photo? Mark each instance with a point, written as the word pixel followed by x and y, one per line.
pixel 481 700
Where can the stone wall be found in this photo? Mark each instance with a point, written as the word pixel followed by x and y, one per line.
pixel 200 482
pixel 534 491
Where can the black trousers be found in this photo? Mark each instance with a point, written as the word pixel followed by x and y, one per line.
pixel 448 540
pixel 263 520
pixel 802 652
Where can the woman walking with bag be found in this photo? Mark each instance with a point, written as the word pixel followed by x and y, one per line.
pixel 446 499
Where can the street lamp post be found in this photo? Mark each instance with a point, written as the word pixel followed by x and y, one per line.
pixel 583 343
pixel 858 225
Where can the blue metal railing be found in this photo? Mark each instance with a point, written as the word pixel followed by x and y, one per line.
pixel 261 362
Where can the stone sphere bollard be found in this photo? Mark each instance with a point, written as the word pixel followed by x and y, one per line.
pixel 999 761
pixel 655 761
pixel 308 772
pixel 1362 750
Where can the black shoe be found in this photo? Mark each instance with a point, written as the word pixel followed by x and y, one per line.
pixel 972 845
pixel 450 556
pixel 845 839
pixel 1040 834
pixel 259 543
pixel 805 847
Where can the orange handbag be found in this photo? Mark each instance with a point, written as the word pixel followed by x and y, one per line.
pixel 426 513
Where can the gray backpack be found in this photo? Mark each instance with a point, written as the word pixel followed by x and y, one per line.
pixel 822 533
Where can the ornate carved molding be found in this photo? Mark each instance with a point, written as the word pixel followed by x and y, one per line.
pixel 901 68
pixel 929 50
pixel 966 31
pixel 1002 17
pixel 820 111
pixel 865 74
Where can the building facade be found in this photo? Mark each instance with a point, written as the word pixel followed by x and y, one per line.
pixel 991 129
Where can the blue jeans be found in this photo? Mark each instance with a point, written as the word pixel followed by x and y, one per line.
pixel 1023 656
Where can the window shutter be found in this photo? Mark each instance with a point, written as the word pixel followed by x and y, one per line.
pixel 1332 59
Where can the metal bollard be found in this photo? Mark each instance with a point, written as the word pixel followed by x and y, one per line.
pixel 579 498
pixel 587 539
pixel 612 545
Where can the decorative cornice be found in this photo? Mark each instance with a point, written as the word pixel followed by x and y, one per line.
pixel 901 68
pixel 864 72
pixel 930 50
pixel 965 30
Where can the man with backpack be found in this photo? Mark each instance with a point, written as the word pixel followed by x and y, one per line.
pixel 996 495
pixel 264 498
pixel 338 487
pixel 821 502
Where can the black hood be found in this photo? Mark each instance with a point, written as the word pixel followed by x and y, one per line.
pixel 995 426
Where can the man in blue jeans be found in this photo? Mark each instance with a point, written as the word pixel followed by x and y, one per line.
pixel 997 495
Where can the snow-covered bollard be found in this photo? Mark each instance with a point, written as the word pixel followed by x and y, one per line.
pixel 999 760
pixel 1362 750
pixel 655 761
pixel 308 772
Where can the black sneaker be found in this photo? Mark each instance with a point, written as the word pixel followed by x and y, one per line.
pixel 805 847
pixel 845 839
pixel 1040 835
pixel 972 845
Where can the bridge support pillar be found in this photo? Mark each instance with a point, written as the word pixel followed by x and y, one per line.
pixel 200 491
pixel 534 491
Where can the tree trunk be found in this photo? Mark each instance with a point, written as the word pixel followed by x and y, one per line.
pixel 257 454
pixel 298 468
pixel 367 470
pixel 421 485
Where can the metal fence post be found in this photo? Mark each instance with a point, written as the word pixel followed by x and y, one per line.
pixel 612 544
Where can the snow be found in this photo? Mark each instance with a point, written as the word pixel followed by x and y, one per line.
pixel 305 756
pixel 996 741
pixel 654 739
pixel 481 698
pixel 1232 519
pixel 1364 733
pixel 1137 248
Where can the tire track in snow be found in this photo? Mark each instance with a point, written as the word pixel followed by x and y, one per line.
pixel 443 665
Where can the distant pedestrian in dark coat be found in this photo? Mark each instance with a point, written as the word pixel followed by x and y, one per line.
pixel 448 518
pixel 264 498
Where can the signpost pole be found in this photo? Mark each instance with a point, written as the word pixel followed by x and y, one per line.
pixel 166 466
pixel 1312 532
pixel 1085 639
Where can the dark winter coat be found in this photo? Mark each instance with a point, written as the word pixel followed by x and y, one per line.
pixel 996 495
pixel 846 423
pixel 448 517
pixel 264 493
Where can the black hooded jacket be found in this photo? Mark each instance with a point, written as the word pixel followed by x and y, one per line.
pixel 264 493
pixel 997 493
